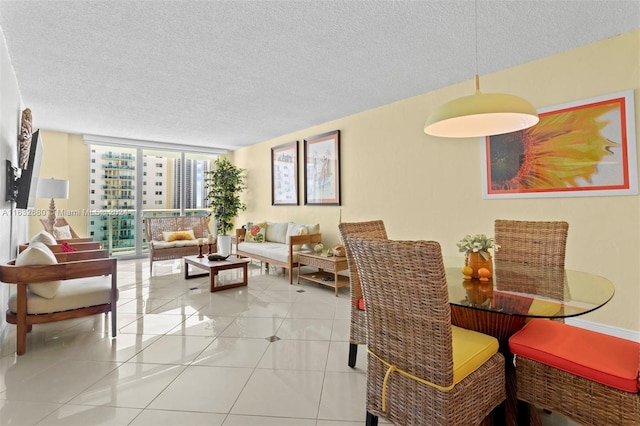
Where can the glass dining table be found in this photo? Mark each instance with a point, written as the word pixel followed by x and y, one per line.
pixel 516 292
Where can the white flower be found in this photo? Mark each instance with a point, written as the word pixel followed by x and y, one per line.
pixel 478 243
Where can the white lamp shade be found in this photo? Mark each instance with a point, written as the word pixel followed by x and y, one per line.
pixel 481 114
pixel 53 188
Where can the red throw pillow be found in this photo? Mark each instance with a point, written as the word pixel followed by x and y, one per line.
pixel 66 248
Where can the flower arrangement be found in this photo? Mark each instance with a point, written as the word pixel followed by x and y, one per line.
pixel 478 243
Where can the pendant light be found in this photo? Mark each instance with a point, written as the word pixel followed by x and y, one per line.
pixel 481 114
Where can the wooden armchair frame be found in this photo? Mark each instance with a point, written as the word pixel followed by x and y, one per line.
pixel 89 245
pixel 72 265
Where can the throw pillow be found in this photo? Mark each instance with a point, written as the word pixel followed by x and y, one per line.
pixel 296 229
pixel 39 254
pixel 43 237
pixel 62 232
pixel 66 248
pixel 277 232
pixel 256 234
pixel 311 229
pixel 186 235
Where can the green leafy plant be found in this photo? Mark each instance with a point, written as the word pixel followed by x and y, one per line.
pixel 478 243
pixel 224 186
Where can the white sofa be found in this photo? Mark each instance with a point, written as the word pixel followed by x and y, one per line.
pixel 277 243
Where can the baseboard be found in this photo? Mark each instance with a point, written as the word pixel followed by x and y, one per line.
pixel 623 333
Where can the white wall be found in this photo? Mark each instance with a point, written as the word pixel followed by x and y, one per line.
pixel 13 228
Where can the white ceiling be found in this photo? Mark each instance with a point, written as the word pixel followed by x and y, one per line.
pixel 233 73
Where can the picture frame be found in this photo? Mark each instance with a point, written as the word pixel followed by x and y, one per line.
pixel 578 149
pixel 284 174
pixel 322 169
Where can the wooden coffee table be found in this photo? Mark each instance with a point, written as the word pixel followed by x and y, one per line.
pixel 328 268
pixel 213 267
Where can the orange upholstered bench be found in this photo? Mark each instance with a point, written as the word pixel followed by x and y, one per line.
pixel 585 375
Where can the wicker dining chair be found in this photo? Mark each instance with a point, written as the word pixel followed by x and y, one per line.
pixel 537 243
pixel 357 334
pixel 415 355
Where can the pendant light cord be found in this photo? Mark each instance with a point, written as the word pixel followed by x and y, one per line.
pixel 476 30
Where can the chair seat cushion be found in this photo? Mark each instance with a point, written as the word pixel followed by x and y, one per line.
pixel 470 350
pixel 72 294
pixel 175 243
pixel 602 358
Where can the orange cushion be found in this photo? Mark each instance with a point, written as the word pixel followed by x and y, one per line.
pixel 605 359
pixel 361 304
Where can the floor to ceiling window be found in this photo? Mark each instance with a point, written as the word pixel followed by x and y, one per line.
pixel 129 184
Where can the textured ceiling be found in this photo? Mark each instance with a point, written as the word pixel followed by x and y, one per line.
pixel 233 73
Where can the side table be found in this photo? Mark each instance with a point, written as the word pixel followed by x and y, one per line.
pixel 328 268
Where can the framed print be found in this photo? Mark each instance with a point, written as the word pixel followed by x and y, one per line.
pixel 583 148
pixel 284 174
pixel 322 169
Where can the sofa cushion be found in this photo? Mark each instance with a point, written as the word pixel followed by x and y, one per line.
pixel 177 243
pixel 43 237
pixel 185 235
pixel 39 254
pixel 72 294
pixel 276 251
pixel 277 232
pixel 605 359
pixel 256 233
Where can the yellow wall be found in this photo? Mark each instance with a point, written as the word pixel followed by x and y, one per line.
pixel 65 157
pixel 430 188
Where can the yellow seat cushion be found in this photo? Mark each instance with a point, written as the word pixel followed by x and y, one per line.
pixel 470 350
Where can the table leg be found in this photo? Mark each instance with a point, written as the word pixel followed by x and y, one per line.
pixel 335 282
pixel 214 276
pixel 212 280
pixel 245 279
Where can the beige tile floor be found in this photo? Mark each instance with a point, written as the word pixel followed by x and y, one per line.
pixel 184 356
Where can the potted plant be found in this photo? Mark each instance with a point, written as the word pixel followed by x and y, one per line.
pixel 224 185
pixel 476 249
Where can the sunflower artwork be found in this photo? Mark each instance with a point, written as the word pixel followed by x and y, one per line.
pixel 584 148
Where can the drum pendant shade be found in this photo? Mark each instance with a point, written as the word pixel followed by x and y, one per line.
pixel 481 114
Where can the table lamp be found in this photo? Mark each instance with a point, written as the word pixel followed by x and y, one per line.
pixel 52 188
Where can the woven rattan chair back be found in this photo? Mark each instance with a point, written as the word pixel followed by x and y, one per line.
pixel 357 332
pixel 537 243
pixel 409 327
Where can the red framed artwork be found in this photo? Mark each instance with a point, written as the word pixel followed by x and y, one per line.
pixel 582 148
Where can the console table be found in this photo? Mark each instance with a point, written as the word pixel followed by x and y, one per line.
pixel 328 268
